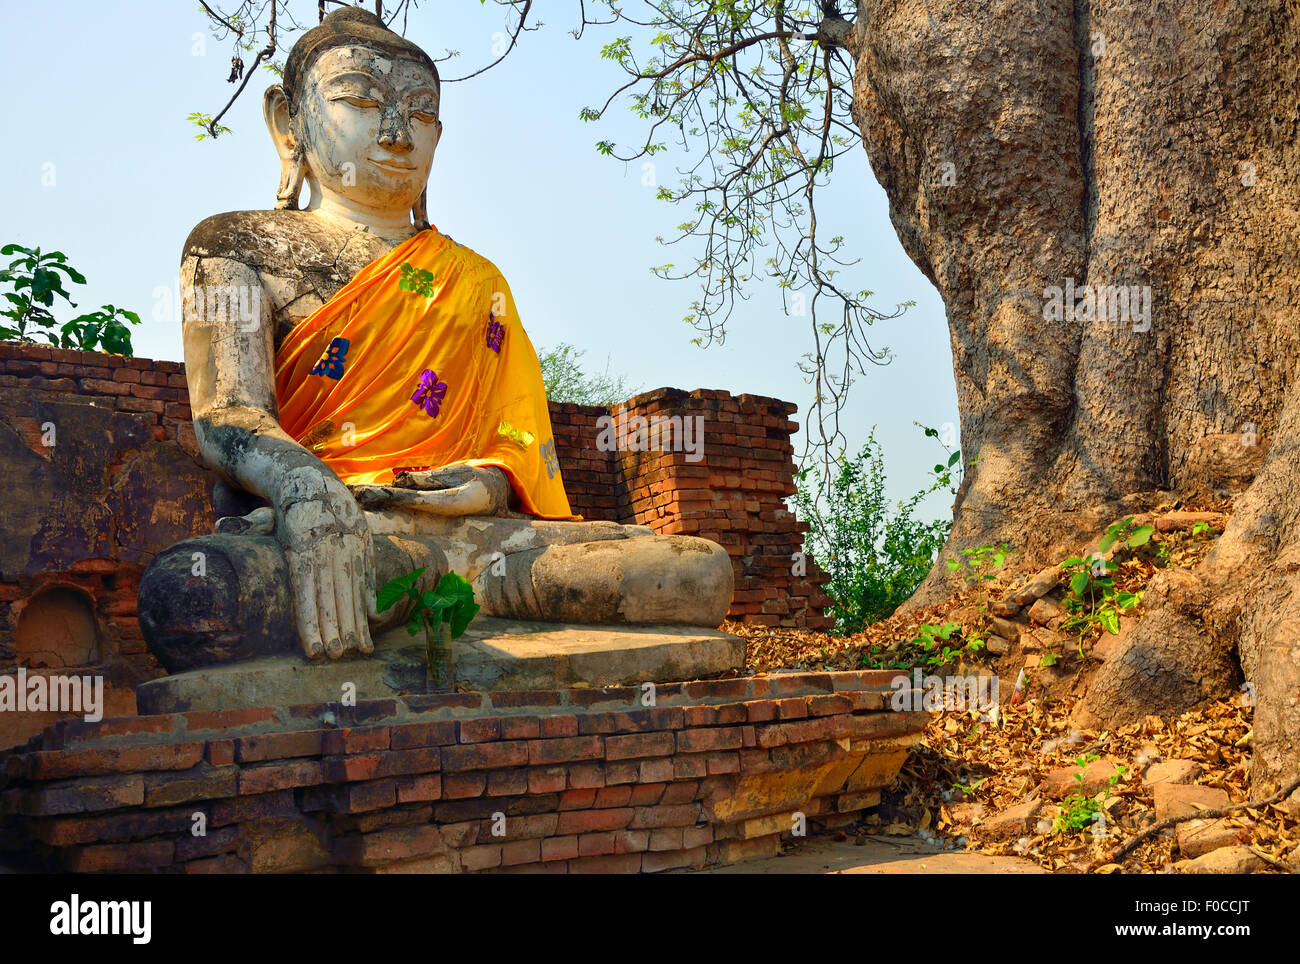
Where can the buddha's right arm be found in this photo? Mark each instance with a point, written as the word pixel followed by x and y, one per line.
pixel 230 365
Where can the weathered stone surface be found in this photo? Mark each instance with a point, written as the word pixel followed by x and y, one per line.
pixel 997 645
pixel 1177 799
pixel 1197 837
pixel 1012 822
pixel 1061 782
pixel 1225 860
pixel 493 654
pixel 1172 771
pixel 1042 582
pixel 1044 611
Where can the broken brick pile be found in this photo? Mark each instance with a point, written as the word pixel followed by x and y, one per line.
pixel 577 780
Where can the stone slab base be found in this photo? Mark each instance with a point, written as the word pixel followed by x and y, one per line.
pixel 551 781
pixel 493 654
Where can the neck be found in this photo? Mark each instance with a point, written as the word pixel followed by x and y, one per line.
pixel 386 223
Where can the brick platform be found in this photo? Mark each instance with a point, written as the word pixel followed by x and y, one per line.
pixel 558 781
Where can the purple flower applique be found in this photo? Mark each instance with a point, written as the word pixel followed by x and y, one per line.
pixel 429 393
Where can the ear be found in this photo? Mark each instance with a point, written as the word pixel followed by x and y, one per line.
pixel 275 109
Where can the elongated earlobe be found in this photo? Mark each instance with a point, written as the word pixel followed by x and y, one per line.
pixel 420 211
pixel 292 172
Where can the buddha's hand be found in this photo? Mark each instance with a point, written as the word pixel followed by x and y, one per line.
pixel 331 557
pixel 454 490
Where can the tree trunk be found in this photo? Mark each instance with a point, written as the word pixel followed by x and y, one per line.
pixel 1044 146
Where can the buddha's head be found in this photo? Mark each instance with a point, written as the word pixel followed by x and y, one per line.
pixel 356 116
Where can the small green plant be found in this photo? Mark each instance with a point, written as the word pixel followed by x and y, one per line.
pixel 36 277
pixel 443 613
pixel 1092 601
pixel 978 567
pixel 876 552
pixel 1079 812
pixel 1203 529
pixel 968 789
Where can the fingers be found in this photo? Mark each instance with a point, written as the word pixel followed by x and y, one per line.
pixel 345 601
pixel 326 605
pixel 302 579
pixel 259 522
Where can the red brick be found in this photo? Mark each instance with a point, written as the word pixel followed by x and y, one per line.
pixel 578 799
pixel 480 731
pixel 703 740
pixel 407 736
pixel 791 709
pixel 267 806
pixel 804 731
pixel 560 848
pixel 507 783
pixel 646 794
pixel 520 728
pixel 457 786
pixel 650 818
pixel 223 720
pixel 426 786
pixel 666 838
pixel 279 746
pixel 596 844
pixel 221 752
pixel 59 764
pixel 761 711
pixel 356 739
pixel 700 715
pixel 689 765
pixel 613 864
pixel 683 792
pixel 636 745
pixel 541 752
pixel 520 852
pixel 613 797
pixel 652 863
pixel 723 763
pixel 621 771
pixel 139 855
pixel 483 857
pixel 655 771
pixel 383 846
pixel 591 821
pixel 546 779
pixel 829 705
pixel 280 776
pixel 559 726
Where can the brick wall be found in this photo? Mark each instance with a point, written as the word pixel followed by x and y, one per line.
pixel 560 781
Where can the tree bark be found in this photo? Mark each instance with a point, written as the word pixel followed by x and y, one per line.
pixel 1036 145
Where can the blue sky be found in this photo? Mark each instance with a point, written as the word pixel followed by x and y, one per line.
pixel 101 91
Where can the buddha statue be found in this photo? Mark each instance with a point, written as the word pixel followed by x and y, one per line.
pixel 363 387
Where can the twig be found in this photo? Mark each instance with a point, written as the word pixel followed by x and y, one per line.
pixel 1124 849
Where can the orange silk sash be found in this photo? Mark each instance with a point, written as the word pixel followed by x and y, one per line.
pixel 420 362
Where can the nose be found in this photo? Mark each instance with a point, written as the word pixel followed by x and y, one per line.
pixel 393 132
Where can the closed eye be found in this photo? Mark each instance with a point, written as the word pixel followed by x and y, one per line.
pixel 360 102
pixel 424 116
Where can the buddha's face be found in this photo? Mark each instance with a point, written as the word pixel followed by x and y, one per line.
pixel 369 125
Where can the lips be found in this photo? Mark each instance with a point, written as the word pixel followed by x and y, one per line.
pixel 392 165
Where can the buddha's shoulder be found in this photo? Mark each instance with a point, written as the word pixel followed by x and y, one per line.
pixel 279 239
pixel 470 260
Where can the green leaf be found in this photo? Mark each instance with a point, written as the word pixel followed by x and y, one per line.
pixel 1126 600
pixel 395 589
pixel 1109 618
pixel 1140 536
pixel 953 459
pixel 461 616
pixel 1107 541
pixel 413 622
pixel 1078 583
